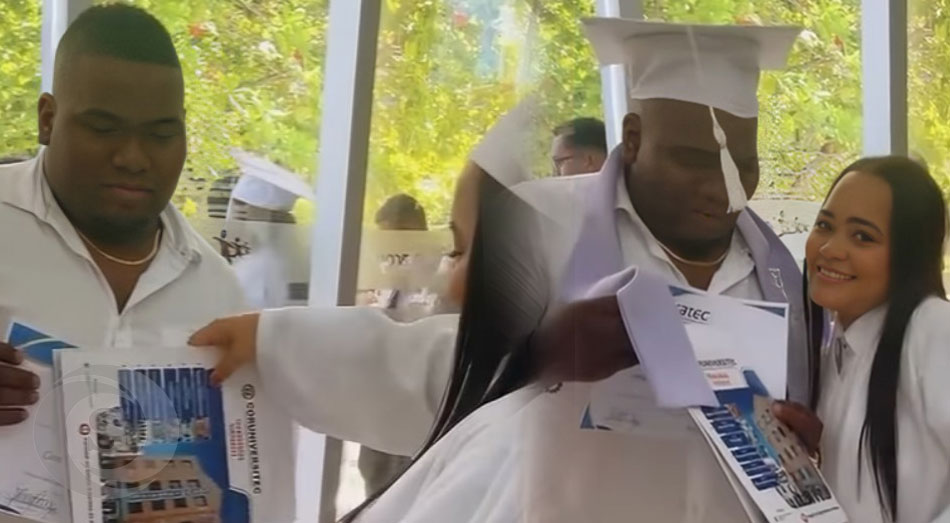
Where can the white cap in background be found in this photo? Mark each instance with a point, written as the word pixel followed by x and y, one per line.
pixel 266 185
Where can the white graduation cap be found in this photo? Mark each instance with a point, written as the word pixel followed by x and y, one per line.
pixel 267 185
pixel 504 151
pixel 716 66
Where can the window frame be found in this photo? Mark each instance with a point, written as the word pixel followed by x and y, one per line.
pixel 347 99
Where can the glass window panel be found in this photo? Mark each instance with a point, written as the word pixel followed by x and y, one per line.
pixel 928 89
pixel 253 78
pixel 928 81
pixel 19 77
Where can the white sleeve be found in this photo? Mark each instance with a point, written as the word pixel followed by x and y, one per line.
pixel 354 374
pixel 944 516
pixel 930 363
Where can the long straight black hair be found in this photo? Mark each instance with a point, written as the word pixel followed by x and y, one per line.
pixel 506 298
pixel 918 229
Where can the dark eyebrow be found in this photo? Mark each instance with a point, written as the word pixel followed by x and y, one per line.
pixel 99 113
pixel 866 223
pixel 854 219
pixel 163 121
pixel 106 115
pixel 689 150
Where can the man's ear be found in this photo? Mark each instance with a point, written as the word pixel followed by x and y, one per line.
pixel 587 161
pixel 595 161
pixel 46 114
pixel 632 136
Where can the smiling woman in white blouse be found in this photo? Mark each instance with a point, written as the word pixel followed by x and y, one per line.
pixel 874 261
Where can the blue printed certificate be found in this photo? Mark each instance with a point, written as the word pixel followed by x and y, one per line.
pixel 763 457
pixel 741 348
pixel 149 438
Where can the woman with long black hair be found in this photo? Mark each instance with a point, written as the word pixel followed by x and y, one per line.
pixel 874 261
pixel 500 281
pixel 459 411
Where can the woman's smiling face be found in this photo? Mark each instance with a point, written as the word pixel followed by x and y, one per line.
pixel 848 250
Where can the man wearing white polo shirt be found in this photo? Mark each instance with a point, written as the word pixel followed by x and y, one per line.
pixel 93 254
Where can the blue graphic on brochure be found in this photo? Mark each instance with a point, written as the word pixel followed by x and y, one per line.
pixel 741 346
pixel 763 454
pixel 36 346
pixel 768 453
pixel 169 419
pixel 150 442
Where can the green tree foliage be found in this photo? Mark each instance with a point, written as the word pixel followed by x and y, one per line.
pixel 446 69
pixel 20 25
pixel 253 73
pixel 928 83
pixel 810 113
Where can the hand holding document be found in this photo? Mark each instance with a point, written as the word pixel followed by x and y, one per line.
pixel 33 482
pixel 740 346
pixel 17 386
pixel 120 435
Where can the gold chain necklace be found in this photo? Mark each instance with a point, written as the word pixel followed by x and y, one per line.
pixel 680 259
pixel 127 263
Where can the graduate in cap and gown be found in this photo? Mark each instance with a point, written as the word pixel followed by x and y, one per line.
pixel 260 205
pixel 671 198
pixel 671 201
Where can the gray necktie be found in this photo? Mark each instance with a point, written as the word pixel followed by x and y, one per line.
pixel 840 346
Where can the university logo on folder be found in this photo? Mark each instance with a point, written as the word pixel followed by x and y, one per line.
pixel 741 348
pixel 150 439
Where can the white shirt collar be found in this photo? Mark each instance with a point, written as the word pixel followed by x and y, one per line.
pixel 625 205
pixel 863 334
pixel 28 190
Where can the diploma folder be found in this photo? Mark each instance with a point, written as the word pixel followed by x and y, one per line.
pixel 149 438
pixel 741 348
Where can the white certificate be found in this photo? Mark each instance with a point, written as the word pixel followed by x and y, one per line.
pixel 34 473
pixel 718 328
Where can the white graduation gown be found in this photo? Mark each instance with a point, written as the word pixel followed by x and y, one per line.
pixel 355 374
pixel 396 371
pixel 523 458
pixel 923 416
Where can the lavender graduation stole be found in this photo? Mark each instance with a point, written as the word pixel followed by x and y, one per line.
pixel 597 254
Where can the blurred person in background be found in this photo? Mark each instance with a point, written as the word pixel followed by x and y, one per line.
pixel 260 212
pixel 579 147
pixel 400 212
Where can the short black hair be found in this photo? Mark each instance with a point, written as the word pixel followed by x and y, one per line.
pixel 118 31
pixel 404 212
pixel 584 132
